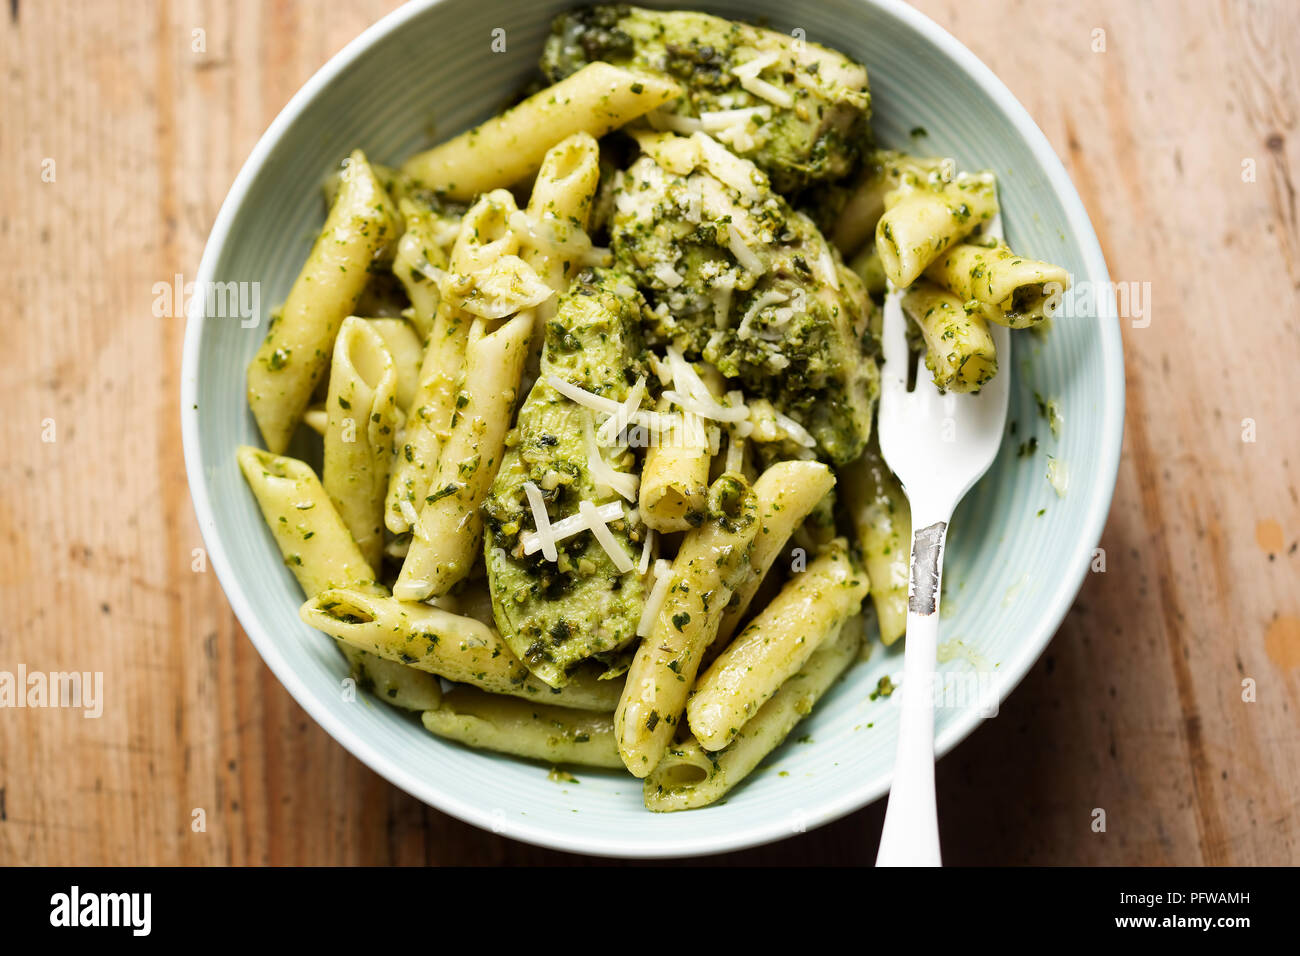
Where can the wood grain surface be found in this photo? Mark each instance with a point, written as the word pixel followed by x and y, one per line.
pixel 118 141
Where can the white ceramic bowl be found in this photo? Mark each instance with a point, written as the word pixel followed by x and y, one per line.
pixel 1011 574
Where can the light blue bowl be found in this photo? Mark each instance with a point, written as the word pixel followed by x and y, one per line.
pixel 1011 574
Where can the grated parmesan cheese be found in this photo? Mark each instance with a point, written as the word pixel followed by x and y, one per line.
pixel 727 167
pixel 684 378
pixel 604 537
pixel 615 424
pixel 646 549
pixel 748 73
pixel 824 265
pixel 794 430
pixel 735 452
pixel 665 273
pixel 711 410
pixel 745 427
pixel 757 65
pixel 737 127
pixel 658 594
pixel 771 297
pixel 721 291
pixel 652 422
pixel 661 369
pixel 542 520
pixel 768 91
pixel 566 528
pixel 606 479
pixel 673 122
pixel 746 257
pixel 581 396
pixel 715 121
pixel 692 394
pixel 693 206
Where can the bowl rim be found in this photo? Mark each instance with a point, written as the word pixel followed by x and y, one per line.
pixel 1056 604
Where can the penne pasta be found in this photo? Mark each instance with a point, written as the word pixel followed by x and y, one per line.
pixel 855 211
pixel 318 548
pixel 557 735
pixel 554 237
pixel 446 538
pixel 709 565
pixel 316 418
pixel 362 416
pixel 999 285
pixel 675 476
pixel 396 684
pixel 485 237
pixel 293 357
pixel 689 777
pixel 315 543
pixel 509 147
pixel 924 218
pixel 787 493
pixel 882 525
pixel 407 349
pixel 440 642
pixel 420 263
pixel 959 348
pixel 809 610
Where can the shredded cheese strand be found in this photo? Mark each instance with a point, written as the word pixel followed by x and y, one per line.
pixel 673 122
pixel 580 395
pixel 651 421
pixel 542 520
pixel 735 452
pixel 746 257
pixel 606 478
pixel 604 537
pixel 643 565
pixel 661 369
pixel 771 297
pixel 566 528
pixel 751 68
pixel 728 168
pixel 658 594
pixel 742 428
pixel 794 430
pixel 615 424
pixel 710 410
pixel 748 73
pixel 715 121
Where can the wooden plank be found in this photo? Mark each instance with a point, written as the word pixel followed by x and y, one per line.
pixel 1181 136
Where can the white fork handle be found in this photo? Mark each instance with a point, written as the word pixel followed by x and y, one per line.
pixel 911 832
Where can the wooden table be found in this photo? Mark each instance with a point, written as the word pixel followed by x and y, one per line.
pixel 118 142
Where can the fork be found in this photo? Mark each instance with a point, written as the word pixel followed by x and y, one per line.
pixel 938 445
